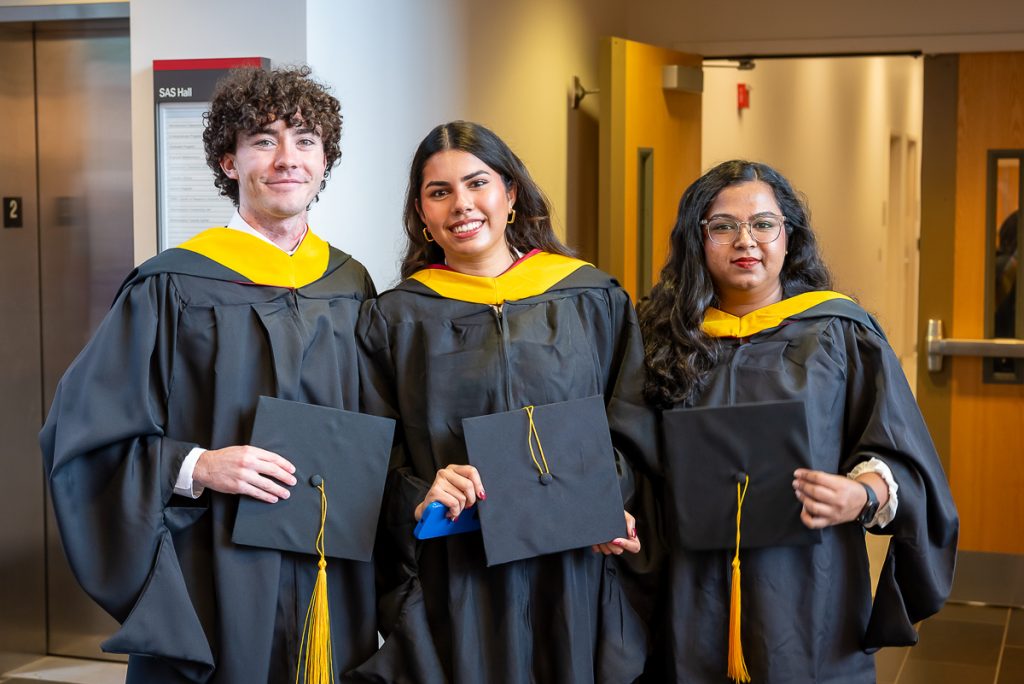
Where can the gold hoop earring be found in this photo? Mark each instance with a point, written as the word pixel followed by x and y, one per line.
pixel 511 216
pixel 426 235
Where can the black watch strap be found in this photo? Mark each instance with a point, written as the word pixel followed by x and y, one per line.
pixel 867 514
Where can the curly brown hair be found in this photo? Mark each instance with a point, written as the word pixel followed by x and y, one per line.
pixel 248 99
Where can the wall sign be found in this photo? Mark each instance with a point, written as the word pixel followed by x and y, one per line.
pixel 12 212
pixel 187 201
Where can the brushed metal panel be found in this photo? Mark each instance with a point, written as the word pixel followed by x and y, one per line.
pixel 40 12
pixel 85 220
pixel 22 546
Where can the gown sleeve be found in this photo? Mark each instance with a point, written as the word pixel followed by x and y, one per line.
pixel 883 420
pixel 633 423
pixel 634 434
pixel 399 593
pixel 112 470
pixel 403 491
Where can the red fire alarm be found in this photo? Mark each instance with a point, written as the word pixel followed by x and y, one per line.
pixel 742 96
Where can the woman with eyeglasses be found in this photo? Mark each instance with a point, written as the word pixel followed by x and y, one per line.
pixel 744 314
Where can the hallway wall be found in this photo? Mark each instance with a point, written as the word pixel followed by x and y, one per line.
pixel 401 66
pixel 399 69
pixel 369 60
pixel 754 27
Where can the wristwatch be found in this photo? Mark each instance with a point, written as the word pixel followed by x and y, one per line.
pixel 867 514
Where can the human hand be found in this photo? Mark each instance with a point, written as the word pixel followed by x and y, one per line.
pixel 827 499
pixel 457 487
pixel 245 470
pixel 616 546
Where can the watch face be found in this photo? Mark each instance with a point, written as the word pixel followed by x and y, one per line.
pixel 868 513
pixel 870 508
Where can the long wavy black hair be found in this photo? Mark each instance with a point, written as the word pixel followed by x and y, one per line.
pixel 532 226
pixel 678 353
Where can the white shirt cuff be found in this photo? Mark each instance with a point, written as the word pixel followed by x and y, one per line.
pixel 886 513
pixel 184 486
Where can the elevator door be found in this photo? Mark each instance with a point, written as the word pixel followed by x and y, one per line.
pixel 68 160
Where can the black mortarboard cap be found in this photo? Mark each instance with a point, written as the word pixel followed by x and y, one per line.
pixel 348 452
pixel 550 477
pixel 710 449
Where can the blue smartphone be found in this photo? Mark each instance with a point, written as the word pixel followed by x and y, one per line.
pixel 434 522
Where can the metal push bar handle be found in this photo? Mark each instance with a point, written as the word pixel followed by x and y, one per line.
pixel 938 347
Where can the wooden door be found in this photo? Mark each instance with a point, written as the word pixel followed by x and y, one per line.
pixel 974 105
pixel 649 153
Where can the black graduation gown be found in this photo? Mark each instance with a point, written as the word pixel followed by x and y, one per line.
pixel 807 611
pixel 179 361
pixel 446 617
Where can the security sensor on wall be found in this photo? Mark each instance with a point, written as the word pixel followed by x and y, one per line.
pixel 686 79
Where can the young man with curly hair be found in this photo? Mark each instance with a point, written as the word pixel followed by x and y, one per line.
pixel 146 442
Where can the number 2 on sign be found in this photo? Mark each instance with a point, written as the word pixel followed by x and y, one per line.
pixel 12 212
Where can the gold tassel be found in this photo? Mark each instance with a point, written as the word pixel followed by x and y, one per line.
pixel 316 630
pixel 737 666
pixel 532 435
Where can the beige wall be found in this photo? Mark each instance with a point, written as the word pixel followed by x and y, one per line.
pixel 826 124
pixel 391 65
pixel 509 65
pixel 522 86
pixel 712 27
pixel 401 68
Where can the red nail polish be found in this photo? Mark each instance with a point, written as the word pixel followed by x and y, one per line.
pixel 616 542
pixel 632 533
pixel 455 519
pixel 483 495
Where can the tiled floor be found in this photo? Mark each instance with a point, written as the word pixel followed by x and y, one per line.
pixel 36 670
pixel 963 644
pixel 966 644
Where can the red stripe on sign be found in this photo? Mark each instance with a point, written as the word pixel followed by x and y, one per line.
pixel 204 64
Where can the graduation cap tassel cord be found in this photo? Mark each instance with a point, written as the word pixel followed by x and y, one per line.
pixel 316 631
pixel 737 666
pixel 545 472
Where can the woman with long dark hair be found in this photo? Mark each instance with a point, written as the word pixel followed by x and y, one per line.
pixel 743 314
pixel 493 315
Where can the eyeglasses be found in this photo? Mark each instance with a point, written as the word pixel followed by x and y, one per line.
pixel 724 230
